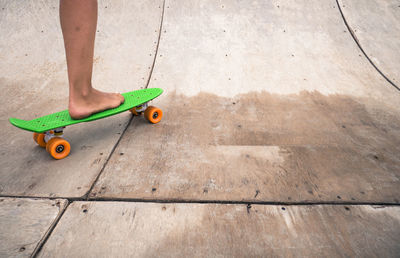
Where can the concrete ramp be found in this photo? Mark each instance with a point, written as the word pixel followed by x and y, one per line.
pixel 280 134
pixel 264 102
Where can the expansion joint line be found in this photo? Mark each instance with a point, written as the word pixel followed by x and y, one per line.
pixel 362 50
pixel 86 196
pixel 200 201
pixel 158 44
pixel 43 241
pixel 244 202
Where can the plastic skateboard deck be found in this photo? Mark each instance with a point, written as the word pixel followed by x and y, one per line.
pixel 48 130
pixel 62 118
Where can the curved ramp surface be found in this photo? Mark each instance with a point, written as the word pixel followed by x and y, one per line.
pixel 376 26
pixel 264 101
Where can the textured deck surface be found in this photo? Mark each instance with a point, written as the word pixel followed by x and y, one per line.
pixel 280 135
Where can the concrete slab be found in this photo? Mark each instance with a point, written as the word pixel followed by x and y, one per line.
pixel 24 223
pixel 118 229
pixel 34 83
pixel 306 147
pixel 264 101
pixel 376 25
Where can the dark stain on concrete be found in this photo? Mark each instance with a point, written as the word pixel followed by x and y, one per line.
pixel 300 147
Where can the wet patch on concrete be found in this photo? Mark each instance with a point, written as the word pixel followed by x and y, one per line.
pixel 260 147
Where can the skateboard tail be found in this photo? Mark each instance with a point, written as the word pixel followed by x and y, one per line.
pixel 17 122
pixel 22 124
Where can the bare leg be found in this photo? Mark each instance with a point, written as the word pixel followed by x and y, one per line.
pixel 78 23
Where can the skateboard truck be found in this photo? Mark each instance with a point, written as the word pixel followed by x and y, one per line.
pixel 141 108
pixel 151 113
pixel 54 142
pixel 58 132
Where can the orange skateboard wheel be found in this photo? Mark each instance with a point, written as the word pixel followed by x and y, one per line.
pixel 35 135
pixel 134 112
pixel 39 139
pixel 153 114
pixel 58 147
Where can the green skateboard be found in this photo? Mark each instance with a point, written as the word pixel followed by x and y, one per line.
pixel 48 130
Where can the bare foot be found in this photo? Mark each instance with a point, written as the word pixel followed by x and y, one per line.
pixel 83 105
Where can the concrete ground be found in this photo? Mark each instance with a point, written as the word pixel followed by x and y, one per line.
pixel 280 135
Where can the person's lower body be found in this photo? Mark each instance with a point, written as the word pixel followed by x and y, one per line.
pixel 78 20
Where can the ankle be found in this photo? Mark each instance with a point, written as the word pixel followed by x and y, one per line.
pixel 80 91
